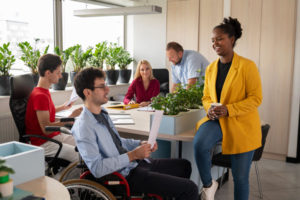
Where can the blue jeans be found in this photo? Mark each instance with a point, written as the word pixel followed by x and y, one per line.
pixel 208 135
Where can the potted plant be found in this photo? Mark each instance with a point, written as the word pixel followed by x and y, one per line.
pixel 6 61
pixel 30 57
pixel 123 61
pixel 99 55
pixel 112 74
pixel 64 55
pixel 79 59
pixel 6 185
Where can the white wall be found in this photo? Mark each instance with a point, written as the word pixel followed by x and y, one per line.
pixel 146 36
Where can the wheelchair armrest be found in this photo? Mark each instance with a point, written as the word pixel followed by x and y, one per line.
pixel 48 139
pixel 67 119
pixel 58 128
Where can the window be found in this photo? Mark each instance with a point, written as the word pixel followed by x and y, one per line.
pixel 89 31
pixel 29 20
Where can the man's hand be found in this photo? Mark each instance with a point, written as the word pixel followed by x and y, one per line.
pixel 141 152
pixel 76 112
pixel 154 148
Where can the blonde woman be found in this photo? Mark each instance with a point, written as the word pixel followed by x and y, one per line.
pixel 144 86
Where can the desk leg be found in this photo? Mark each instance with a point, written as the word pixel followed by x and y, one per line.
pixel 180 149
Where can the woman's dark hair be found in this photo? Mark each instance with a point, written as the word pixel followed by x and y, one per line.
pixel 48 62
pixel 86 79
pixel 232 27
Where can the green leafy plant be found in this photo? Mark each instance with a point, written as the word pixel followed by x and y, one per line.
pixel 99 55
pixel 124 58
pixel 80 57
pixel 180 101
pixel 5 168
pixel 30 56
pixel 6 59
pixel 113 54
pixel 64 55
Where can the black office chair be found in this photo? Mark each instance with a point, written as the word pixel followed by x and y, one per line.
pixel 225 161
pixel 21 87
pixel 162 75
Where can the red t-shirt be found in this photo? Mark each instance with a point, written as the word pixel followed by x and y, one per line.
pixel 40 99
pixel 137 88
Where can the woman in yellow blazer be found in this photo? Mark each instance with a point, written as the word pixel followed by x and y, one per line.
pixel 234 82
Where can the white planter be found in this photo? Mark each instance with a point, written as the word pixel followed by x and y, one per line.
pixel 27 161
pixel 184 121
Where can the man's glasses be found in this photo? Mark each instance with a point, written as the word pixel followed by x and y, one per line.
pixel 103 86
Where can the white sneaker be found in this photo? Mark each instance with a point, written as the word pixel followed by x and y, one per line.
pixel 209 193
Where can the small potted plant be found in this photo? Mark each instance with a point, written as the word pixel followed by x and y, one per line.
pixel 30 57
pixel 79 59
pixel 124 59
pixel 6 61
pixel 64 55
pixel 99 55
pixel 6 184
pixel 112 74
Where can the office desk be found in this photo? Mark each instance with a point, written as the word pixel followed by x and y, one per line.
pixel 46 187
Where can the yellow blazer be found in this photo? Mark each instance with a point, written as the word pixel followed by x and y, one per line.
pixel 241 94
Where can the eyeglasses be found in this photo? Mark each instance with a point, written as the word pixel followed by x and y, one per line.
pixel 103 86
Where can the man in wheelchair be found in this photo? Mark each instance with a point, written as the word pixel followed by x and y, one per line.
pixel 41 111
pixel 104 151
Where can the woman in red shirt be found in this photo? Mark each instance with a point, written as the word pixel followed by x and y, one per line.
pixel 144 86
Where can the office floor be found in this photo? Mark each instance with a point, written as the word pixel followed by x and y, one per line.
pixel 280 181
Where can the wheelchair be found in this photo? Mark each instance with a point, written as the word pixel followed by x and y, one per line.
pixel 81 184
pixel 21 87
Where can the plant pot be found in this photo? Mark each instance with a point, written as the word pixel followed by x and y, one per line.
pixel 125 75
pixel 61 85
pixel 112 76
pixel 72 76
pixel 6 187
pixel 35 79
pixel 4 85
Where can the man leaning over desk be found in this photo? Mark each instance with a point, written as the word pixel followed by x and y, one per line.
pixel 186 65
pixel 104 151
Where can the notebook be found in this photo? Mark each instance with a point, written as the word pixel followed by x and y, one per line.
pixel 124 107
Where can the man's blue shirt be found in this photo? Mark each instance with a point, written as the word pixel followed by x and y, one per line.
pixel 97 148
pixel 188 68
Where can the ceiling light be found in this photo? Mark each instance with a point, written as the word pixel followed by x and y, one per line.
pixel 134 10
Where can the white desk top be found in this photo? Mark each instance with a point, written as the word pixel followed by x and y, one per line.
pixel 46 187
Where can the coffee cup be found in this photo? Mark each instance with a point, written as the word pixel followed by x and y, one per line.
pixel 212 105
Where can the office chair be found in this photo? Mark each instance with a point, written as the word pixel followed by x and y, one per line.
pixel 225 161
pixel 162 75
pixel 21 87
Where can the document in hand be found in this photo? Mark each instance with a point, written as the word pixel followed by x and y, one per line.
pixel 124 107
pixel 73 97
pixel 155 127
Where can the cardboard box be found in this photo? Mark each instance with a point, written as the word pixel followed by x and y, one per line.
pixel 184 121
pixel 27 161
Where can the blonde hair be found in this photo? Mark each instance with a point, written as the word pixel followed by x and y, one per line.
pixel 137 72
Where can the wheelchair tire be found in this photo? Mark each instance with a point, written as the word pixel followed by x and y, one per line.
pixel 81 189
pixel 71 172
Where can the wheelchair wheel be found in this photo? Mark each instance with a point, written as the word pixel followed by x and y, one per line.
pixel 84 189
pixel 71 172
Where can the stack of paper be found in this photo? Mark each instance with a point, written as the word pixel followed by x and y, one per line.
pixel 121 119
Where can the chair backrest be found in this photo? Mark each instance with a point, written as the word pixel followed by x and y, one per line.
pixel 162 75
pixel 21 87
pixel 258 152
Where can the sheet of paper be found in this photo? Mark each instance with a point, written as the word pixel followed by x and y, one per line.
pixel 63 113
pixel 155 127
pixel 123 121
pixel 146 108
pixel 73 97
pixel 113 117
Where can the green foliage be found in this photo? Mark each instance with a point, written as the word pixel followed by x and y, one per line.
pixel 113 56
pixel 99 55
pixel 124 59
pixel 64 55
pixel 4 168
pixel 31 56
pixel 80 57
pixel 180 101
pixel 6 59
